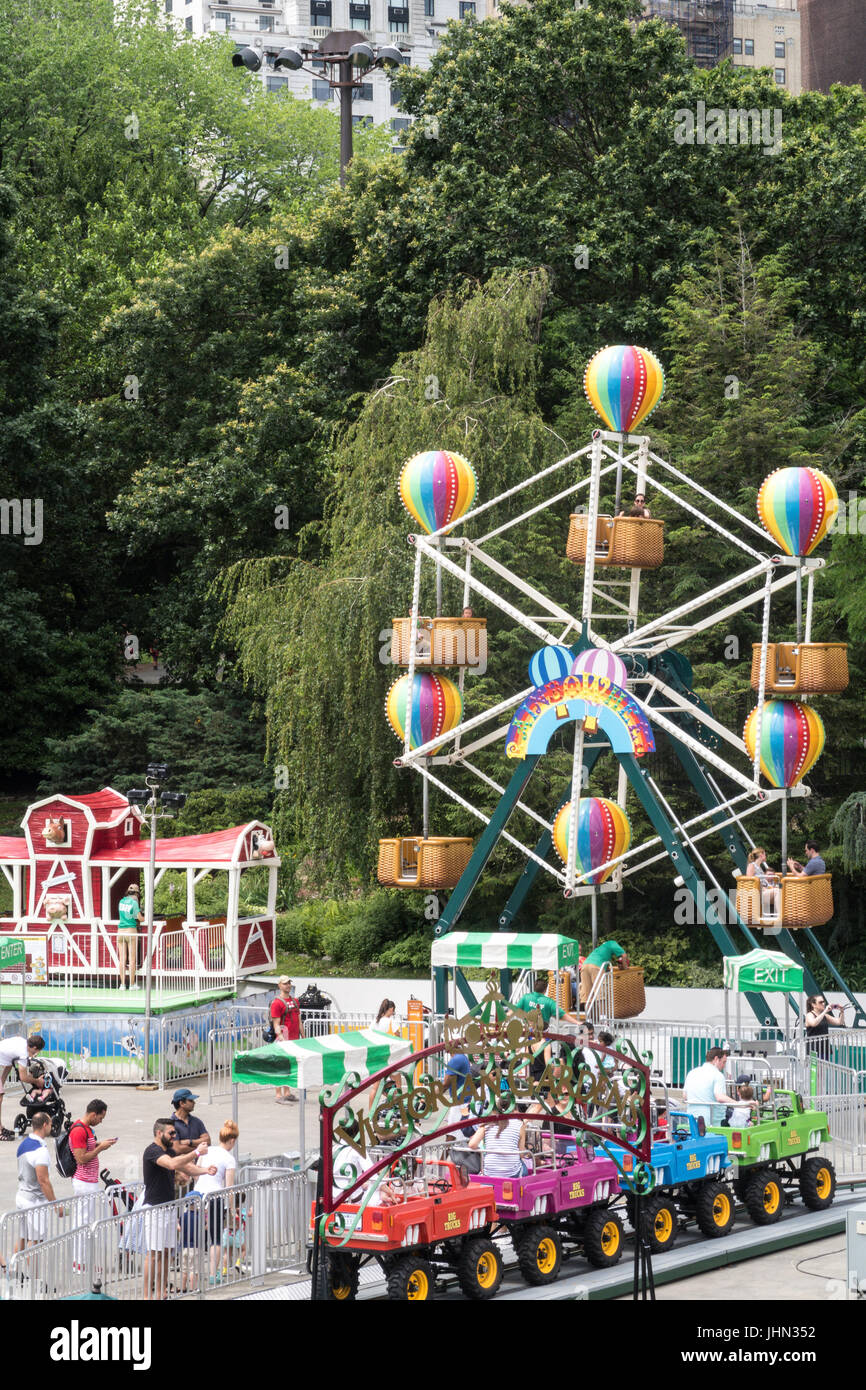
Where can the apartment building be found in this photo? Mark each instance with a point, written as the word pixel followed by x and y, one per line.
pixel 751 35
pixel 834 43
pixel 416 27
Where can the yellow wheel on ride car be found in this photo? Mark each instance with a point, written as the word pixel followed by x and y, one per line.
pixel 721 1210
pixel 772 1197
pixel 546 1256
pixel 611 1234
pixel 486 1270
pixel 418 1287
pixel 663 1225
pixel 824 1182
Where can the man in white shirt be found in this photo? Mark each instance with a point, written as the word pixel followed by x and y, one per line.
pixel 34 1182
pixel 704 1089
pixel 17 1053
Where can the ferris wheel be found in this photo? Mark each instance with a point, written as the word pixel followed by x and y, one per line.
pixel 614 680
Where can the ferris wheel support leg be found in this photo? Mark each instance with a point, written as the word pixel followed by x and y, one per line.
pixel 542 849
pixel 679 857
pixel 486 844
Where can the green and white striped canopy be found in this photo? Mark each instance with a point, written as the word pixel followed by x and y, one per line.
pixel 763 972
pixel 313 1062
pixel 503 950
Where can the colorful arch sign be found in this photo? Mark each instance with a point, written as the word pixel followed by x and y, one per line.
pixel 619 716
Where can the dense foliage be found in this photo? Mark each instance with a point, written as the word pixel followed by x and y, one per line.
pixel 214 361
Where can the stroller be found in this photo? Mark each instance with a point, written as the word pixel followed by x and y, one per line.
pixel 51 1074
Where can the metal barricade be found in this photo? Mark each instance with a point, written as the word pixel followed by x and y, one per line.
pixel 846 1116
pixel 52 1219
pixel 181 1249
pixel 675 1047
pixel 222 1044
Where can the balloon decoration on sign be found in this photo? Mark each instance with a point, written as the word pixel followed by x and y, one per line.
pixel 437 707
pixel 624 385
pixel 797 506
pixel 595 661
pixel 437 488
pixel 603 833
pixel 550 664
pixel 792 740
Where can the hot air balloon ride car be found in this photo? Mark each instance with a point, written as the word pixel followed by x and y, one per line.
pixel 437 488
pixel 623 384
pixel 797 506
pixel 791 741
pixel 427 706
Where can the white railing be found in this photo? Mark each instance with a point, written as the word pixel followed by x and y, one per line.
pixel 58 1218
pixel 846 1116
pixel 222 1044
pixel 234 1237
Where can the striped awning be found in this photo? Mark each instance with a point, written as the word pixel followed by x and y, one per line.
pixel 503 950
pixel 315 1062
pixel 763 972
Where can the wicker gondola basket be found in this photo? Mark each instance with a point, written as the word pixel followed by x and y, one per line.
pixel 629 995
pixel 434 863
pixel 634 542
pixel 804 668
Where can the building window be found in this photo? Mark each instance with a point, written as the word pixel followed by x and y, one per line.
pixel 222 19
pixel 189 23
pixel 321 90
pixel 395 94
pixel 738 45
pixel 320 14
pixel 398 19
pixel 780 77
pixel 467 9
pixel 266 22
pixel 359 16
pixel 750 48
pixel 429 8
pixel 168 4
pixel 275 84
pixel 399 123
pixel 780 49
pixel 363 93
pixel 317 64
pixel 362 120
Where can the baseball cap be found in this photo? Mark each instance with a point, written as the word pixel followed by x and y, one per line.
pixel 743 1079
pixel 183 1094
pixel 284 980
pixel 458 1066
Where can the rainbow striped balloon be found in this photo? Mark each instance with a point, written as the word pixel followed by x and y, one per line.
pixel 437 707
pixel 603 833
pixel 792 740
pixel 595 661
pixel 437 487
pixel 623 385
pixel 796 506
pixel 550 664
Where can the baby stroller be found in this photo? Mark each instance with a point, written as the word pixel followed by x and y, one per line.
pixel 51 1075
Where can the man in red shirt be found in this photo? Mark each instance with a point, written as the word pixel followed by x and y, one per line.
pixel 286 1018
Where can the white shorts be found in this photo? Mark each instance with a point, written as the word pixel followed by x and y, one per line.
pixel 159 1227
pixel 35 1215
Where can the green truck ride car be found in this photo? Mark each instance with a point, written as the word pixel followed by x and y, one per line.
pixel 771 1157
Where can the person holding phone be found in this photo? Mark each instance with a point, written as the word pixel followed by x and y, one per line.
pixel 820 1018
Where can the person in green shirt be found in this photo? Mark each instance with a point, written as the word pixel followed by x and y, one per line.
pixel 129 915
pixel 607 951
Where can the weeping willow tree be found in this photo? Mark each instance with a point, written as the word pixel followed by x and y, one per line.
pixel 310 628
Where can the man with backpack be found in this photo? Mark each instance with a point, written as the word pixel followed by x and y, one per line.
pixel 287 1026
pixel 82 1148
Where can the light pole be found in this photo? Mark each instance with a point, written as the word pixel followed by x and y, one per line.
pixel 151 800
pixel 339 54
